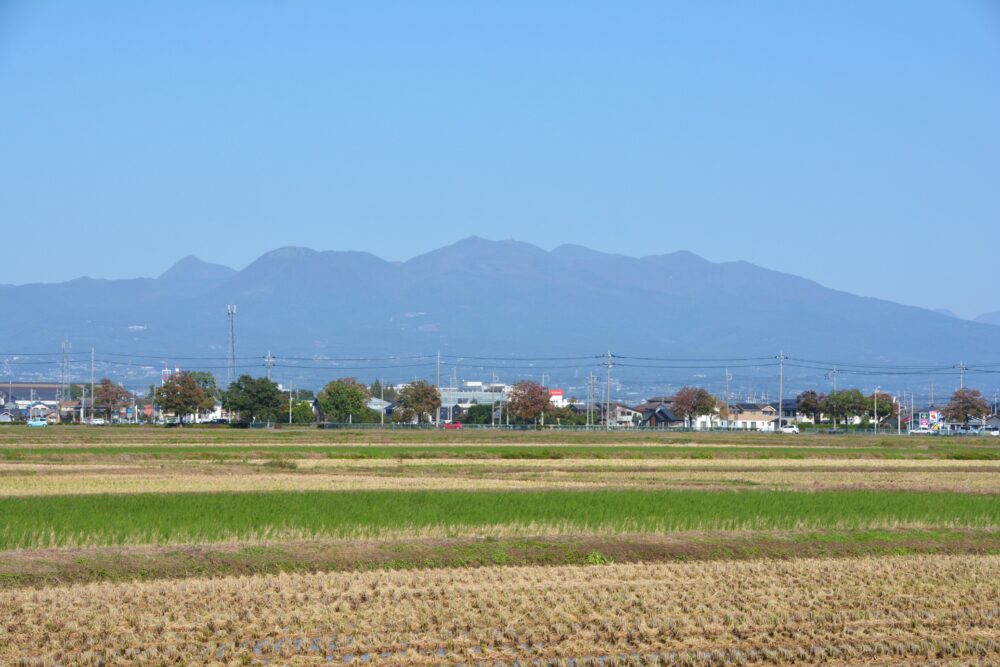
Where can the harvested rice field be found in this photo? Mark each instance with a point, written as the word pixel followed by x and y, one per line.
pixel 833 611
pixel 221 546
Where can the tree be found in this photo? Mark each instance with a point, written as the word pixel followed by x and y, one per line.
pixel 844 404
pixel 110 397
pixel 479 414
pixel 528 400
pixel 302 413
pixel 255 399
pixel 691 402
pixel 343 400
pixel 208 385
pixel 417 400
pixel 808 403
pixel 378 390
pixel 886 406
pixel 965 404
pixel 180 395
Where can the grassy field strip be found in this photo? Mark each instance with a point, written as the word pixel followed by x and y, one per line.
pixel 85 435
pixel 59 566
pixel 654 464
pixel 93 454
pixel 610 465
pixel 193 482
pixel 101 520
pixel 237 478
pixel 822 611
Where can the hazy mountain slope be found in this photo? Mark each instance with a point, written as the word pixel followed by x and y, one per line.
pixel 483 298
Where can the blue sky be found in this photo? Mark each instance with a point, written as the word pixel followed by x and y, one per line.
pixel 854 143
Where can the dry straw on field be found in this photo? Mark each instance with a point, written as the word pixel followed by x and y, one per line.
pixel 901 609
pixel 285 474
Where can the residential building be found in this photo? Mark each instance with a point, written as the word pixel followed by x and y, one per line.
pixel 753 416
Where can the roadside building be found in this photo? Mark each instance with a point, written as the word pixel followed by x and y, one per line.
pixel 753 416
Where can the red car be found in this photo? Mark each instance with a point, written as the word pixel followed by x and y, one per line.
pixel 452 426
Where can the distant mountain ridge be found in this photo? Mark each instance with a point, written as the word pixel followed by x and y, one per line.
pixel 484 298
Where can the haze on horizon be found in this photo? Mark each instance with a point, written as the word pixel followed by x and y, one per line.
pixel 854 145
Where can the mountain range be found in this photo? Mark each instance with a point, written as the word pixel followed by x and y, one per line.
pixel 503 299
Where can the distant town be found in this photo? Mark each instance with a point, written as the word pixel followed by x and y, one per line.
pixel 194 397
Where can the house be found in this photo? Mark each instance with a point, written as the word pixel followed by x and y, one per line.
pixel 660 417
pixel 39 409
pixel 620 415
pixel 378 405
pixel 992 423
pixel 790 411
pixel 753 416
pixel 8 416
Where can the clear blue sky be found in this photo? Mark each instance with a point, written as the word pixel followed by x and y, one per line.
pixel 854 143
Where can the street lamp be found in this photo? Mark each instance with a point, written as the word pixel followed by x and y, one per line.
pixel 875 402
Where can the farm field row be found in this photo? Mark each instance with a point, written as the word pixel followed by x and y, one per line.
pixel 678 452
pixel 861 611
pixel 424 436
pixel 179 518
pixel 291 474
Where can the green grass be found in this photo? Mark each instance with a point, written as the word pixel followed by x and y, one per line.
pixel 178 518
pixel 500 452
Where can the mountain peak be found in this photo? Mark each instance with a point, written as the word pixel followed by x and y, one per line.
pixel 191 268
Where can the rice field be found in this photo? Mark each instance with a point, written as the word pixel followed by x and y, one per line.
pixel 893 610
pixel 221 546
pixel 100 520
pixel 323 474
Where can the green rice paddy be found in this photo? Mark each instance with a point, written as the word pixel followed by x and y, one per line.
pixel 105 520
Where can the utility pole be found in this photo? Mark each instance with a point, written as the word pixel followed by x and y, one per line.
pixel 231 370
pixel 289 406
pixel 607 414
pixel 875 402
pixel 437 413
pixel 781 388
pixel 833 376
pixel 268 363
pixel 899 413
pixel 381 389
pixel 728 418
pixel 591 395
pixel 65 396
pixel 92 384
pixel 961 375
pixel 932 393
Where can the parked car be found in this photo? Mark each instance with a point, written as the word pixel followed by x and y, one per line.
pixel 790 428
pixel 452 426
pixel 38 422
pixel 97 421
pixel 995 432
pixel 922 430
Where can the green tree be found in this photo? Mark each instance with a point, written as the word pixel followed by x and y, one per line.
pixel 180 395
pixel 528 401
pixel 343 400
pixel 302 413
pixel 966 404
pixel 886 406
pixel 254 399
pixel 378 390
pixel 842 405
pixel 208 384
pixel 479 414
pixel 692 402
pixel 418 400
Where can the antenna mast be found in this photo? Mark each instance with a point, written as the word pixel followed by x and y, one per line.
pixel 231 369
